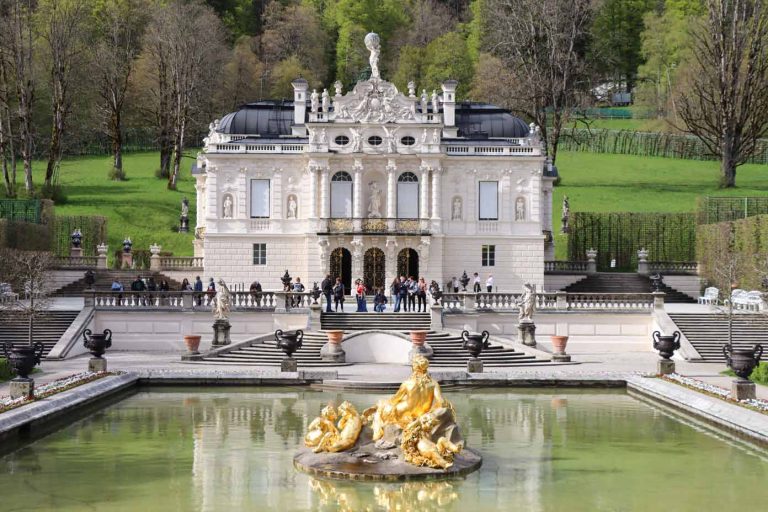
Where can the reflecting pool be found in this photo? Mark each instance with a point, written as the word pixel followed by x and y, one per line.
pixel 224 449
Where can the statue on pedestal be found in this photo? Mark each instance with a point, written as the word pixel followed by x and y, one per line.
pixel 326 101
pixel 566 215
pixel 314 101
pixel 526 329
pixel 373 43
pixel 374 207
pixel 184 218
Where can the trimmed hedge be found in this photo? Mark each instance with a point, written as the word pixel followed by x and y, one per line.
pixel 717 243
pixel 619 235
pixel 24 235
pixel 94 229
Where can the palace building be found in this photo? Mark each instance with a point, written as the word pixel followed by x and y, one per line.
pixel 373 183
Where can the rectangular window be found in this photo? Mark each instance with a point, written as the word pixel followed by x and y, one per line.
pixel 260 199
pixel 489 256
pixel 341 199
pixel 408 200
pixel 259 254
pixel 489 200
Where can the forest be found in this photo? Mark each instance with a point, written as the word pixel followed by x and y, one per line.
pixel 72 71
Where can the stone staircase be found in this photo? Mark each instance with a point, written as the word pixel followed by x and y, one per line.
pixel 104 280
pixel 447 347
pixel 618 282
pixel 708 332
pixel 48 328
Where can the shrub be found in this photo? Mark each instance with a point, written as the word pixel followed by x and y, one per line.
pixel 5 370
pixel 54 193
pixel 116 174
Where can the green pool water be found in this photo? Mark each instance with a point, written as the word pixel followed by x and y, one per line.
pixel 223 449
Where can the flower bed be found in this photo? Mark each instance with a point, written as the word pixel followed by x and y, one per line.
pixel 52 388
pixel 716 391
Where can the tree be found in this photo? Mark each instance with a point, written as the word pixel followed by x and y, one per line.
pixel 20 48
pixel 7 149
pixel 186 39
pixel 244 76
pixel 295 31
pixel 62 28
pixel 28 273
pixel 726 105
pixel 119 24
pixel 446 58
pixel 543 42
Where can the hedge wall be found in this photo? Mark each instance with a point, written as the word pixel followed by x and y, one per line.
pixel 24 235
pixel 94 231
pixel 748 238
pixel 666 236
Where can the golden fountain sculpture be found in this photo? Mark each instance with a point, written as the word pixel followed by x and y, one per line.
pixel 417 417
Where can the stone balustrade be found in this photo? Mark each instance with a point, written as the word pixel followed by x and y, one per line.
pixel 567 267
pixel 553 301
pixel 191 301
pixel 463 150
pixel 256 148
pixel 181 263
pixel 377 225
pixel 674 267
pixel 61 262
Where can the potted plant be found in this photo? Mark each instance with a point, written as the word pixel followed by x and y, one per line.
pixel 27 271
pixel 192 343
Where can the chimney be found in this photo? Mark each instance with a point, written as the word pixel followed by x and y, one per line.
pixel 449 108
pixel 300 87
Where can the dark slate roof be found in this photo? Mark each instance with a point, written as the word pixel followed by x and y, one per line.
pixel 270 118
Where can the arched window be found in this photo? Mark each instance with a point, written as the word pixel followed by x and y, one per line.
pixel 407 196
pixel 341 195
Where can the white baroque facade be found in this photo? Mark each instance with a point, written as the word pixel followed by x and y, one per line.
pixel 373 183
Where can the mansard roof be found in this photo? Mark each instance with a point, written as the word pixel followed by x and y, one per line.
pixel 273 118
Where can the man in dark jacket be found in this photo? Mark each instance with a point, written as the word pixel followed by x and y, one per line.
pixel 327 287
pixel 199 288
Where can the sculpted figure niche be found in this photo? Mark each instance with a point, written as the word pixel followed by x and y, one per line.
pixel 520 209
pixel 228 207
pixel 374 207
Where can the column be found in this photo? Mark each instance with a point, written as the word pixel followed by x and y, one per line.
pixel 357 258
pixel 423 191
pixel 357 190
pixel 436 193
pixel 312 192
pixel 391 189
pixel 325 202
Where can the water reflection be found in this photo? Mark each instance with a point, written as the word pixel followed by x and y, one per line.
pixel 402 497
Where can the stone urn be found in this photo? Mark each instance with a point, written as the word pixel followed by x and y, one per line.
pixel 558 344
pixel 23 358
pixel 97 344
pixel 666 345
pixel 742 361
pixel 419 346
pixel 289 341
pixel 475 343
pixel 418 338
pixel 192 343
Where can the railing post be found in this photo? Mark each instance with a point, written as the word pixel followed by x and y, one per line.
pixel 89 300
pixel 658 300
pixel 436 317
pixel 154 260
pixel 561 301
pixel 101 259
pixel 591 261
pixel 642 262
pixel 470 302
pixel 187 301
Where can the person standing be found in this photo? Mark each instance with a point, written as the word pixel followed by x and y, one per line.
pixel 117 287
pixel 413 291
pixel 211 292
pixel 327 287
pixel 455 284
pixel 402 294
pixel 338 295
pixel 489 283
pixel 360 294
pixel 298 287
pixel 476 285
pixel 199 290
pixel 394 290
pixel 421 294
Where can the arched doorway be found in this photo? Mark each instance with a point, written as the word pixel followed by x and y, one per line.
pixel 408 263
pixel 373 269
pixel 341 266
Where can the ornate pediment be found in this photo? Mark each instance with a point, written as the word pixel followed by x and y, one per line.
pixel 375 101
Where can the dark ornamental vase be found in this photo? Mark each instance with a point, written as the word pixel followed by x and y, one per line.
pixel 464 281
pixel 475 343
pixel 666 345
pixel 23 358
pixel 741 360
pixel 289 341
pixel 97 344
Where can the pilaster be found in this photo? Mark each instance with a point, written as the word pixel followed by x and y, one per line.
pixel 325 202
pixel 424 192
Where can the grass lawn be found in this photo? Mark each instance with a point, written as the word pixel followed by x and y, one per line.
pixel 607 183
pixel 145 210
pixel 140 207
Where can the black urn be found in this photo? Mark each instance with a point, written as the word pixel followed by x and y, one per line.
pixel 656 282
pixel 741 360
pixel 286 280
pixel 23 358
pixel 475 343
pixel 666 345
pixel 77 238
pixel 316 292
pixel 289 341
pixel 464 281
pixel 97 343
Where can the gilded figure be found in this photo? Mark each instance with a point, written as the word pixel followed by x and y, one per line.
pixel 419 449
pixel 345 437
pixel 321 425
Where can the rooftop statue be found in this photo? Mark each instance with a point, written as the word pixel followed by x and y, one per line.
pixel 373 43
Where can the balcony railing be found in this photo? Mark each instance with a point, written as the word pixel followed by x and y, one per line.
pixel 493 150
pixel 256 148
pixel 181 263
pixel 575 267
pixel 378 226
pixel 196 301
pixel 554 301
pixel 674 267
pixel 61 262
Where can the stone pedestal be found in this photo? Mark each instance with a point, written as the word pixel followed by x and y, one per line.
pixel 22 388
pixel 183 224
pixel 526 333
pixel 127 260
pixel 436 318
pixel 288 365
pixel 221 333
pixel 97 364
pixel 314 316
pixel 474 365
pixel 333 352
pixel 665 367
pixel 561 358
pixel 76 252
pixel 743 389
